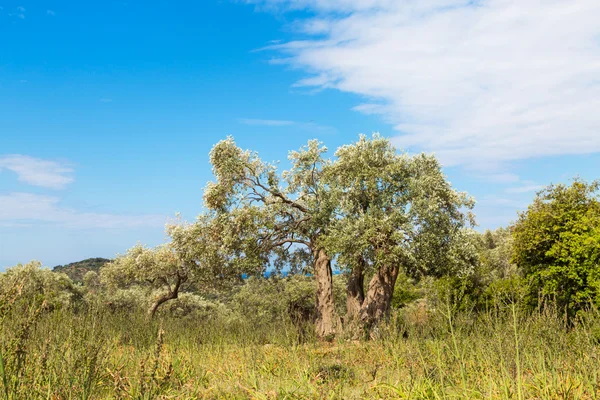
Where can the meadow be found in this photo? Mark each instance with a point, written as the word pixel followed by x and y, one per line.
pixel 417 354
pixel 359 278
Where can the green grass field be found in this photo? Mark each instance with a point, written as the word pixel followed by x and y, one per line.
pixel 98 355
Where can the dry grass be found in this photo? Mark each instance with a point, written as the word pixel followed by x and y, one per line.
pixel 96 355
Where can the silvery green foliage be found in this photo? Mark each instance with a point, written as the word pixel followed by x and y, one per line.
pixel 34 283
pixel 128 299
pixel 216 248
pixel 397 209
pixel 137 298
pixel 195 306
pixel 277 210
pixel 277 298
pixel 204 254
pixel 496 249
pixel 91 281
pixel 371 202
pixel 141 265
pixel 488 277
pixel 159 269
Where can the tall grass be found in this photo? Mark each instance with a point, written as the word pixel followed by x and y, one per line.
pixel 96 354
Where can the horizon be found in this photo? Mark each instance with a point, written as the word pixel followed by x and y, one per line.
pixel 108 111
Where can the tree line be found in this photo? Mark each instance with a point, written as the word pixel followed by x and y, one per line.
pixel 388 222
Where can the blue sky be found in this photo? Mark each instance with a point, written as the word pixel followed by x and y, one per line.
pixel 108 109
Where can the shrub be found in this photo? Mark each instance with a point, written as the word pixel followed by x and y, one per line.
pixel 35 283
pixel 557 246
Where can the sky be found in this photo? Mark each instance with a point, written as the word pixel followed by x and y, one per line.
pixel 108 109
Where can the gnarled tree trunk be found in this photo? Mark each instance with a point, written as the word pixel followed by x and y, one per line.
pixel 173 293
pixel 379 296
pixel 355 293
pixel 327 321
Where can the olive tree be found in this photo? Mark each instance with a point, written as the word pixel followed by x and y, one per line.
pixel 199 254
pixel 290 212
pixel 157 269
pixel 395 213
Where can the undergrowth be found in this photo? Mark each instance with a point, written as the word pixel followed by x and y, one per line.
pixel 95 354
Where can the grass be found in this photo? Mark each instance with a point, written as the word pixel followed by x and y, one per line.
pixel 504 354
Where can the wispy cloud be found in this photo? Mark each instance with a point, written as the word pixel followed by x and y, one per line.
pixel 38 172
pixel 478 82
pixel 525 188
pixel 14 225
pixel 499 177
pixel 51 13
pixel 265 122
pixel 106 100
pixel 310 126
pixel 21 209
pixel 497 201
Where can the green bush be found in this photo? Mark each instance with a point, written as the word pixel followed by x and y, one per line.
pixel 557 246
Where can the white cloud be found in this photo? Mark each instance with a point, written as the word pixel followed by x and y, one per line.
pixel 21 12
pixel 500 178
pixel 17 209
pixel 274 123
pixel 38 172
pixel 525 188
pixel 265 122
pixel 14 225
pixel 478 82
pixel 495 201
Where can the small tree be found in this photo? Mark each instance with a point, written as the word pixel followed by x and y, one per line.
pixel 488 278
pixel 496 273
pixel 557 245
pixel 202 254
pixel 157 268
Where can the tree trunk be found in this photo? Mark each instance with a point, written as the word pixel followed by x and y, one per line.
pixel 172 294
pixel 355 293
pixel 327 321
pixel 379 296
pixel 159 302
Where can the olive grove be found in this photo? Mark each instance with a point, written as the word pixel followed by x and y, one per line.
pixel 369 217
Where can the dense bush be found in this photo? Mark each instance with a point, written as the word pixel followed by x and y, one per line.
pixel 281 298
pixel 33 284
pixel 557 246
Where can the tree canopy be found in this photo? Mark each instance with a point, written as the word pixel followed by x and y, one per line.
pixel 288 209
pixel 395 212
pixel 204 253
pixel 378 211
pixel 557 245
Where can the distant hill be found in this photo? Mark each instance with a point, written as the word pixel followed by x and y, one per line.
pixel 77 270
